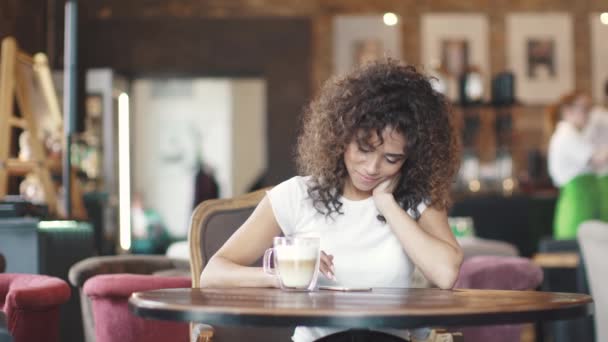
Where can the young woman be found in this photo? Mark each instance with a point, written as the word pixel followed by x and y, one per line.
pixel 378 154
pixel 572 159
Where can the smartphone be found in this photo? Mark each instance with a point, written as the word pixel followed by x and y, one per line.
pixel 345 289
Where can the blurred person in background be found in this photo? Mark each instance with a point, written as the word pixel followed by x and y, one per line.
pixel 596 131
pixel 573 160
pixel 149 232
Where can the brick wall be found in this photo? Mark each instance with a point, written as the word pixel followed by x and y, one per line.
pixel 322 12
pixel 30 19
pixel 529 124
pixel 25 20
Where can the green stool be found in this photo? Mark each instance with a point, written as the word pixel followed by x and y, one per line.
pixel 579 200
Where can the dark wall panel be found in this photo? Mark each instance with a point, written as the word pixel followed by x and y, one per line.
pixel 26 21
pixel 277 49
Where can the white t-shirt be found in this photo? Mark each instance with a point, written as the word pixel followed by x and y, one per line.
pixel 569 154
pixel 366 252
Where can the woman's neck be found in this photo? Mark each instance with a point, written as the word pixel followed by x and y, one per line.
pixel 350 192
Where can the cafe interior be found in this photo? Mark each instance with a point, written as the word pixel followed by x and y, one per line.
pixel 133 132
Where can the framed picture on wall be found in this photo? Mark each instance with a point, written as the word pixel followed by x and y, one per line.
pixel 599 56
pixel 362 38
pixel 540 54
pixel 455 56
pixel 453 43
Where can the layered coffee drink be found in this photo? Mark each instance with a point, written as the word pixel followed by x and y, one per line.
pixel 296 262
pixel 296 265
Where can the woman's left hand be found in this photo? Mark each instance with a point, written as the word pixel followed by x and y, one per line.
pixel 387 186
pixel 384 191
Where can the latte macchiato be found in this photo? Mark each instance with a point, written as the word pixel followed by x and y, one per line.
pixel 296 262
pixel 296 265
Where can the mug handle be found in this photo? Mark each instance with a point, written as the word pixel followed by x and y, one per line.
pixel 268 269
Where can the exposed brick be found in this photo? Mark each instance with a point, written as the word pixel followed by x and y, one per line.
pixel 26 19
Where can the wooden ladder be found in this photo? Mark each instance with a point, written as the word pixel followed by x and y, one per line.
pixel 15 84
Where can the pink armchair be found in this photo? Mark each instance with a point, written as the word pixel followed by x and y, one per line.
pixel 116 264
pixel 31 304
pixel 497 273
pixel 109 295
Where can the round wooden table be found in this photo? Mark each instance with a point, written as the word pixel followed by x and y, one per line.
pixel 379 308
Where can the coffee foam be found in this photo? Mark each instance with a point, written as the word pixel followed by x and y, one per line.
pixel 296 252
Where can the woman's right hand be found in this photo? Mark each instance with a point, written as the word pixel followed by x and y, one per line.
pixel 326 266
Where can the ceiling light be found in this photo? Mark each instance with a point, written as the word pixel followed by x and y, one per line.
pixel 390 19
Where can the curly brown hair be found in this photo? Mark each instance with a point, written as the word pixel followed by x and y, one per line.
pixel 370 98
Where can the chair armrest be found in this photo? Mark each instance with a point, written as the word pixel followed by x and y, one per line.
pixel 33 291
pixel 499 272
pixel 474 246
pixel 81 271
pixel 123 285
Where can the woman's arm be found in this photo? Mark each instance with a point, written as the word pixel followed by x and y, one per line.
pixel 429 242
pixel 227 268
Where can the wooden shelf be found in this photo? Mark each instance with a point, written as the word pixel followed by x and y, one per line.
pixel 557 259
pixel 17 122
pixel 16 167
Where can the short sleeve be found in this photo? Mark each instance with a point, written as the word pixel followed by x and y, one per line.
pixel 421 208
pixel 286 200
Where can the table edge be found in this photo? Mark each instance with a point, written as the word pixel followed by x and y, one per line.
pixel 145 308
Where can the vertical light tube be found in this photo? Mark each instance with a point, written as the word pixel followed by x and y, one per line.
pixel 69 97
pixel 124 172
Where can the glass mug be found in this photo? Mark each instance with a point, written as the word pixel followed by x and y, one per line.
pixel 296 262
